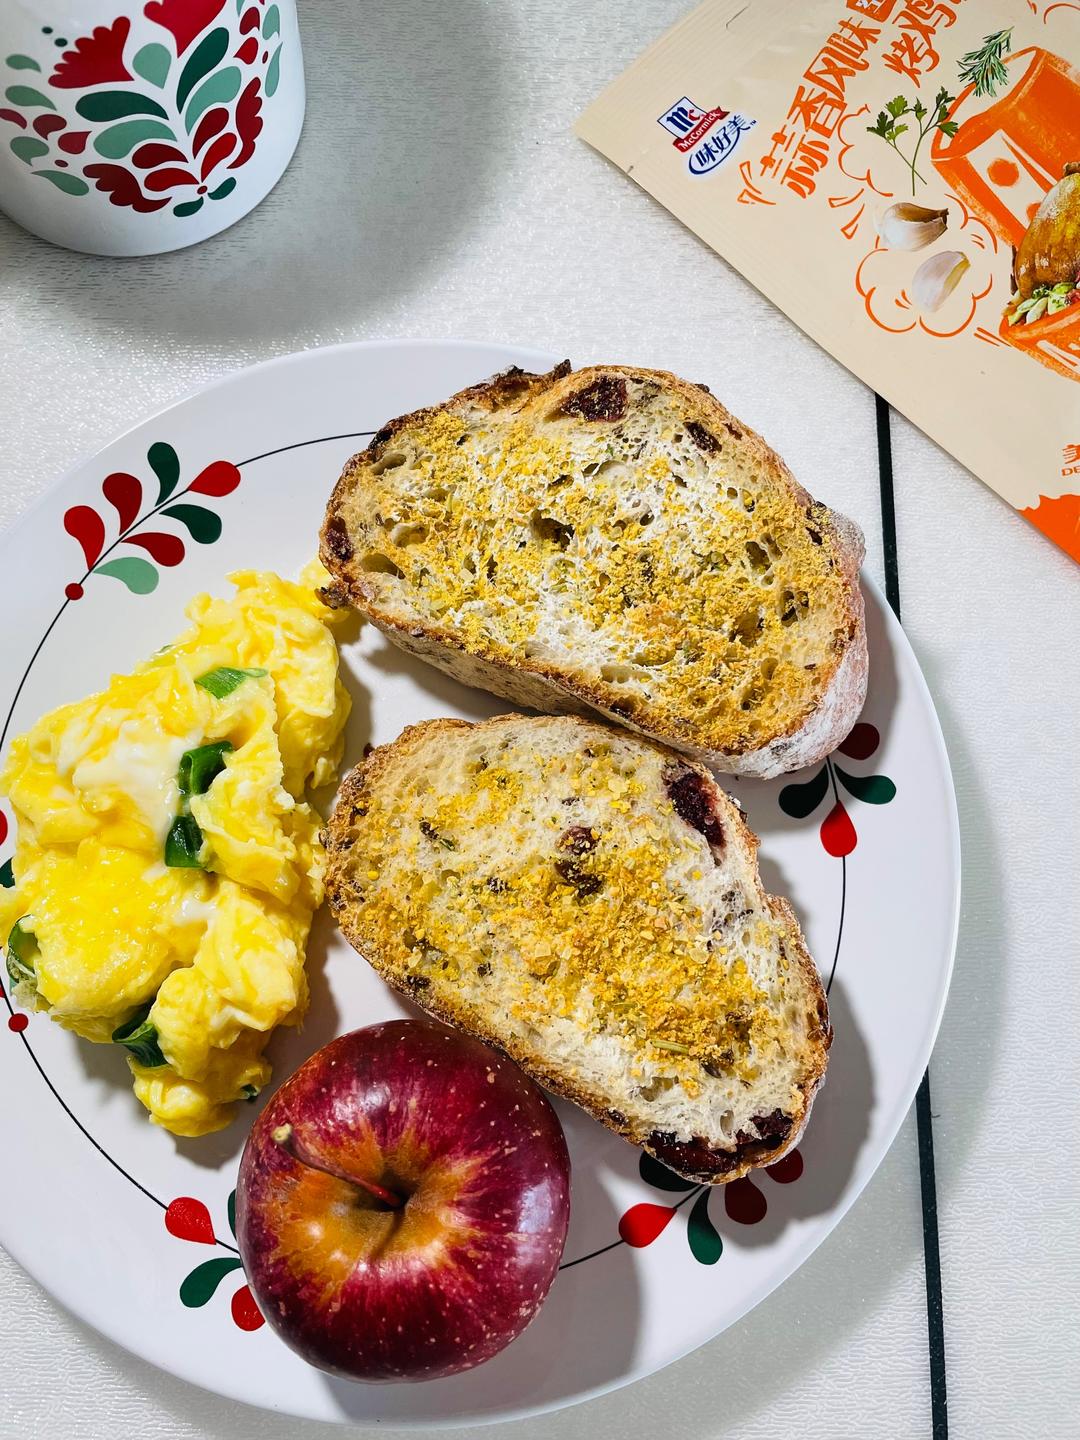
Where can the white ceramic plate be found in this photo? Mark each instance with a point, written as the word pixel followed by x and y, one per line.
pixel 129 1228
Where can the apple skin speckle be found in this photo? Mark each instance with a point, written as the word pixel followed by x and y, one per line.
pixel 450 1278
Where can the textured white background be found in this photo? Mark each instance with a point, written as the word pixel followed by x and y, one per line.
pixel 438 192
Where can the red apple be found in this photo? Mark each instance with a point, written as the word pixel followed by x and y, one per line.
pixel 402 1203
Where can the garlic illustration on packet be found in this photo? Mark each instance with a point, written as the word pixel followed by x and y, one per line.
pixel 905 226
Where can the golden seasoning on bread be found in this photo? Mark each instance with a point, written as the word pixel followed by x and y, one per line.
pixel 589 901
pixel 612 539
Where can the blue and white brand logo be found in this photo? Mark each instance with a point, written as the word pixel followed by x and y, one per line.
pixel 705 137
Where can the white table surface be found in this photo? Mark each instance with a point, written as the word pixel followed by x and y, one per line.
pixel 438 191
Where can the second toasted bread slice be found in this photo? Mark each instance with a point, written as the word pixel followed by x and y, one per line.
pixel 613 539
pixel 589 902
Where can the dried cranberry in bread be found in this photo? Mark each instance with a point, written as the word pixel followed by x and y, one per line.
pixel 611 539
pixel 589 902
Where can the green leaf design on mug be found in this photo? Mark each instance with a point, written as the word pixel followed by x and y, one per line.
pixel 116 104
pixel 203 525
pixel 7 875
pixel 29 148
pixel 204 57
pixel 26 95
pixel 165 464
pixel 706 1245
pixel 225 188
pixel 120 140
pixel 138 575
pixel 200 1285
pixel 219 89
pixel 22 62
pixel 152 64
pixel 64 180
pixel 232 1195
pixel 272 23
pixel 273 72
pixel 188 207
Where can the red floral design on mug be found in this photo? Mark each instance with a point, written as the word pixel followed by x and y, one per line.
pixel 181 116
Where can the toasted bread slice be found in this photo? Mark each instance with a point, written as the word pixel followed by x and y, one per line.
pixel 611 539
pixel 589 902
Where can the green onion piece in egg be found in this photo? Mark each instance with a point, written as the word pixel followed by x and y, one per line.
pixel 22 951
pixel 224 680
pixel 200 768
pixel 183 843
pixel 141 1037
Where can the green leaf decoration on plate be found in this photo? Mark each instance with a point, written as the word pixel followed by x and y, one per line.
pixel 660 1177
pixel 225 188
pixel 65 181
pixel 706 1245
pixel 116 105
pixel 203 525
pixel 165 464
pixel 870 789
pixel 152 64
pixel 120 140
pixel 219 89
pixel 272 23
pixel 22 62
pixel 232 1206
pixel 273 73
pixel 28 148
pixel 7 875
pixel 204 57
pixel 26 95
pixel 188 207
pixel 802 800
pixel 137 574
pixel 201 1284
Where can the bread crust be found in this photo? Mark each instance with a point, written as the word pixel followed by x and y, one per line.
pixel 721 1165
pixel 542 685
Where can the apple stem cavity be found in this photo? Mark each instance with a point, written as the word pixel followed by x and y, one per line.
pixel 286 1137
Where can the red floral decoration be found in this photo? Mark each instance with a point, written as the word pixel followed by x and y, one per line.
pixel 188 1219
pixel 126 493
pixel 95 59
pixel 184 19
pixel 801 798
pixel 743 1202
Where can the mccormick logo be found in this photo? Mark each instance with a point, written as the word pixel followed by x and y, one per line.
pixel 691 126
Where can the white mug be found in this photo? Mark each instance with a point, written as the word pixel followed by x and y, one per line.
pixel 130 127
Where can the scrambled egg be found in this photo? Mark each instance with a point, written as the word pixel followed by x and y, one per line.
pixel 168 864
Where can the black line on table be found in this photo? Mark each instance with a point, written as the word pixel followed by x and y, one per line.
pixel 935 1317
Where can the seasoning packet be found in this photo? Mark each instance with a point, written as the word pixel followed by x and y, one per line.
pixel 901 177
